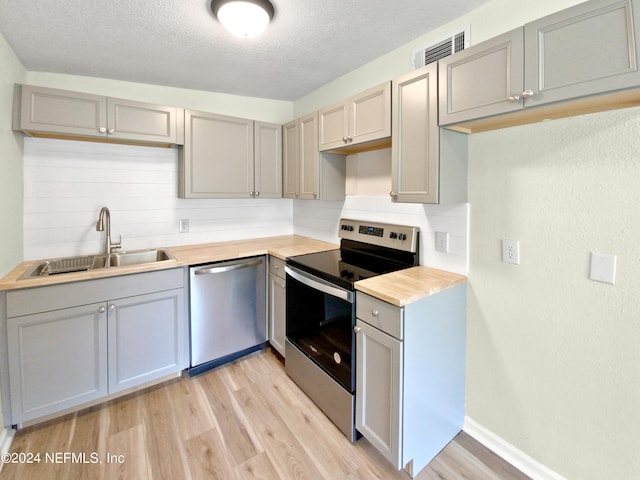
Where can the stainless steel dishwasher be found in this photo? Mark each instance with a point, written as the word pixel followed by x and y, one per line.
pixel 228 306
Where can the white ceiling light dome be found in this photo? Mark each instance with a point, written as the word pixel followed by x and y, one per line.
pixel 243 18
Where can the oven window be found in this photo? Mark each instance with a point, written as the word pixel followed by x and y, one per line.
pixel 321 326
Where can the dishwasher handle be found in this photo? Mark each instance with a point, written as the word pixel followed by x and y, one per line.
pixel 227 268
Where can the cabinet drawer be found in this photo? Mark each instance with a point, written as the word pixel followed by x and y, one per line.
pixel 382 315
pixel 276 266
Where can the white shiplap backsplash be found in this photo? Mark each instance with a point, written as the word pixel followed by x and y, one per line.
pixel 67 182
pixel 320 220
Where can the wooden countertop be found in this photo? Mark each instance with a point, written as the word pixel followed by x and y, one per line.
pixel 281 247
pixel 405 286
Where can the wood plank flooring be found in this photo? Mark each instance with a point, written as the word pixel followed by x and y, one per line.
pixel 244 420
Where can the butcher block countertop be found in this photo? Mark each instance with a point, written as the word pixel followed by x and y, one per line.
pixel 281 247
pixel 409 285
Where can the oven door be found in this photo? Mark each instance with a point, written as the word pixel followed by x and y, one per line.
pixel 320 319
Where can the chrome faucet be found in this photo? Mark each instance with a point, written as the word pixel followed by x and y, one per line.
pixel 109 246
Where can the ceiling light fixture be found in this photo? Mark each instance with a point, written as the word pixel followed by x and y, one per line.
pixel 243 18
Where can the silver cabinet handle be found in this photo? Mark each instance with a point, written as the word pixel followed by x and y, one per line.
pixel 102 130
pixel 112 307
pixel 514 98
pixel 345 139
pixel 394 195
pixel 525 94
pixel 252 194
pixel 350 138
pixel 357 329
pixel 227 268
pixel 102 310
pixel 112 130
pixel 257 194
pixel 528 94
pixel 375 313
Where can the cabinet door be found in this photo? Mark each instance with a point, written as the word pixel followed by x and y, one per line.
pixel 333 126
pixel 55 111
pixel 379 372
pixel 370 117
pixel 277 307
pixel 479 81
pixel 143 122
pixel 415 144
pixel 217 156
pixel 268 160
pixel 57 360
pixel 309 157
pixel 290 160
pixel 584 50
pixel 145 338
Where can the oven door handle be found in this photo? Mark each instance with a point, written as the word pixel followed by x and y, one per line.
pixel 328 289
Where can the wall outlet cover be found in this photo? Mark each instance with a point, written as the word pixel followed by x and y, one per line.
pixel 511 251
pixel 442 242
pixel 183 225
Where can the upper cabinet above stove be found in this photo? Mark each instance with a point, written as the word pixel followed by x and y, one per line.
pixel 579 60
pixel 53 113
pixel 361 122
pixel 428 164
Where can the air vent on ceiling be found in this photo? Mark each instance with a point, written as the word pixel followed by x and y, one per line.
pixel 451 44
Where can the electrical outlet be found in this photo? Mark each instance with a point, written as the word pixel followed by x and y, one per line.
pixel 511 251
pixel 183 225
pixel 442 242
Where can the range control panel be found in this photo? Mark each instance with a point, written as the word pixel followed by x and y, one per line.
pixel 400 237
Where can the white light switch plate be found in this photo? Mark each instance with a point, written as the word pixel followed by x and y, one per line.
pixel 603 268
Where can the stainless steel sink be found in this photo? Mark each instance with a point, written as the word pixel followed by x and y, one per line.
pixel 60 266
pixel 137 257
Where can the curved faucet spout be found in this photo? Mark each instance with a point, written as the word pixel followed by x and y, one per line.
pixel 103 216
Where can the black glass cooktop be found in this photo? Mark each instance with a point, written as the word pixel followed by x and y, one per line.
pixel 348 265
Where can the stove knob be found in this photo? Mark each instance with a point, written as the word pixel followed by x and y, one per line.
pixel 346 274
pixel 393 235
pixel 403 236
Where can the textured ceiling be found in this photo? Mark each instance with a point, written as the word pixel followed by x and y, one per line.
pixel 178 42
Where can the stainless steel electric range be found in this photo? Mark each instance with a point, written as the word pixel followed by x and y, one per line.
pixel 320 311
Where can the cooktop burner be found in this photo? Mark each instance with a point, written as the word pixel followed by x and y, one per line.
pixel 366 249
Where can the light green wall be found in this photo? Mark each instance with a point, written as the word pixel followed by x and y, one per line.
pixel 495 17
pixel 276 111
pixel 10 163
pixel 553 357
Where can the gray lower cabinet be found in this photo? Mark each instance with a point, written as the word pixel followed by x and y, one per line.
pixel 50 112
pixel 69 344
pixel 145 338
pixel 57 360
pixel 410 375
pixel 277 304
pixel 588 49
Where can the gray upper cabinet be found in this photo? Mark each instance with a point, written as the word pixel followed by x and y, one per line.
pixel 268 160
pixel 586 50
pixel 218 159
pixel 309 174
pixel 477 82
pixel 359 120
pixel 49 112
pixel 415 146
pixel 290 160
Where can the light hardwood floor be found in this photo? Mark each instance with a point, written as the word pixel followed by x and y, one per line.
pixel 244 420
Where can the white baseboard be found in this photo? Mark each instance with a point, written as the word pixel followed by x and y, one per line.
pixel 511 454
